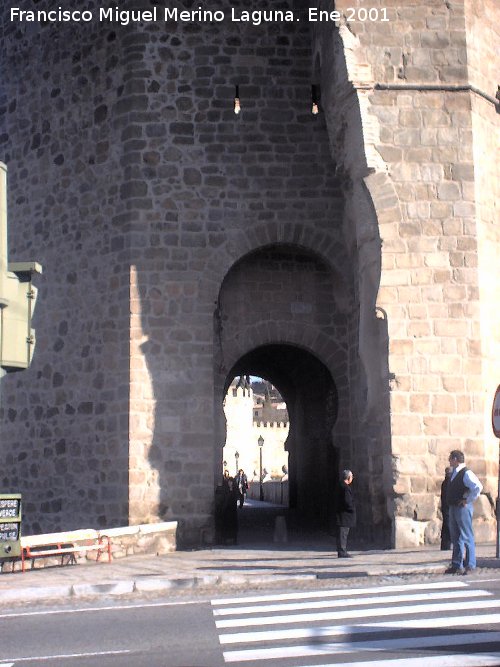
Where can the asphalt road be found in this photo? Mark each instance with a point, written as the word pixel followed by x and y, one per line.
pixel 128 634
pixel 437 622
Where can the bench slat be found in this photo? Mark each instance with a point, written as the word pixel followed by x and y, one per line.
pixel 59 538
pixel 58 544
pixel 55 552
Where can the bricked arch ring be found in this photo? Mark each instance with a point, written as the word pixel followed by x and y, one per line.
pixel 331 355
pixel 241 243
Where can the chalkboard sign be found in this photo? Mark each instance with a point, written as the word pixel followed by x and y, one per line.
pixel 9 531
pixel 10 525
pixel 9 507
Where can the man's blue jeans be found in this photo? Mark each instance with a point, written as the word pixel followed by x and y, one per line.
pixel 462 536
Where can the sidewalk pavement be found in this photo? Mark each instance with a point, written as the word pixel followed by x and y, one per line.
pixel 251 565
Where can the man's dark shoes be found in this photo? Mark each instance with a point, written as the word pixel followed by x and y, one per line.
pixel 344 554
pixel 453 569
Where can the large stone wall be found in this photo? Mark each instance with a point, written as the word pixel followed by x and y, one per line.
pixel 218 187
pixel 140 189
pixel 64 434
pixel 483 37
pixel 423 129
pixel 160 217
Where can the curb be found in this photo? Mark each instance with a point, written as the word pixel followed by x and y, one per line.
pixel 34 594
pixel 146 585
pixel 110 588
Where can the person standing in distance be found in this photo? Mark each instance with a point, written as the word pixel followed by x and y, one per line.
pixel 346 513
pixel 241 482
pixel 463 489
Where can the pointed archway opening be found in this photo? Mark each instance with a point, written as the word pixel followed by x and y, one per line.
pixel 310 394
pixel 257 426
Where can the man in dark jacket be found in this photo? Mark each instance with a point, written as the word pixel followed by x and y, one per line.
pixel 346 513
pixel 445 510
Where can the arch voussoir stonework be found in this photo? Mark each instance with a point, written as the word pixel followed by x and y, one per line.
pixel 328 351
pixel 328 434
pixel 241 243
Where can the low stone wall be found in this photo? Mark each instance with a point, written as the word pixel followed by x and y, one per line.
pixel 274 492
pixel 412 533
pixel 147 538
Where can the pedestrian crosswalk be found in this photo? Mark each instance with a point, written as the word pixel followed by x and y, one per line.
pixel 433 624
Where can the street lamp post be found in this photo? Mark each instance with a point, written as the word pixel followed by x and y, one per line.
pixel 260 442
pixel 236 458
pixel 495 422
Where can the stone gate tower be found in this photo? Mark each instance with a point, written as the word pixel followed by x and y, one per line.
pixel 348 257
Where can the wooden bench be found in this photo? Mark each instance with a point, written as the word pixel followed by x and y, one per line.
pixel 61 544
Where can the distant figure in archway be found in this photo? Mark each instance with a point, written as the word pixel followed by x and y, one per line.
pixel 229 511
pixel 346 513
pixel 241 482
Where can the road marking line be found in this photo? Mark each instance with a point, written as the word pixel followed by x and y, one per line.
pixel 340 592
pixel 67 655
pixel 84 610
pixel 347 602
pixel 356 613
pixel 457 660
pixel 355 647
pixel 333 630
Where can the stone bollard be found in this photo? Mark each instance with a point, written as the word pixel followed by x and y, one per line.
pixel 280 530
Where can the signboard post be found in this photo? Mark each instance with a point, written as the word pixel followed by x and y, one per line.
pixel 495 422
pixel 10 525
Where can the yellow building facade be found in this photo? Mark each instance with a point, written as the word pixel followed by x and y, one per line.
pixel 248 418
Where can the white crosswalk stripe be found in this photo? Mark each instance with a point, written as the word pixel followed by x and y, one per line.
pixel 333 630
pixel 420 619
pixel 462 660
pixel 355 613
pixel 339 593
pixel 387 599
pixel 346 647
